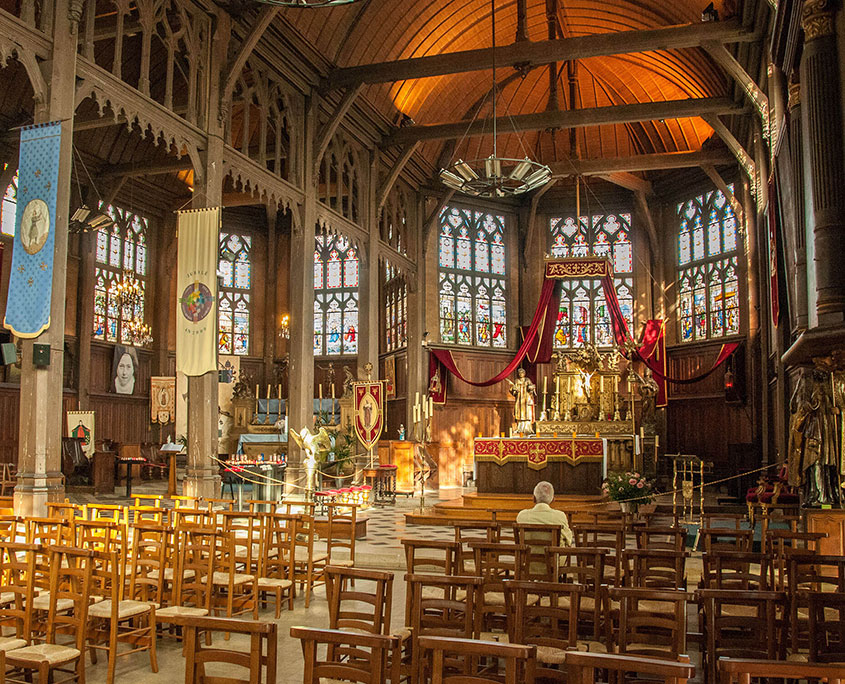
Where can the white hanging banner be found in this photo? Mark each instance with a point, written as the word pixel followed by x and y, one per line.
pixel 196 291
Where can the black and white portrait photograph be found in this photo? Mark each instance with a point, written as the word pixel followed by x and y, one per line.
pixel 124 367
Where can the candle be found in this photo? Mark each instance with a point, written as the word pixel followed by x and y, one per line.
pixel 333 396
pixel 417 399
pixel 574 433
pixel 320 386
pixel 557 388
pixel 280 396
pixel 597 435
pixel 545 383
pixel 656 441
pixel 256 392
pixel 286 424
pixel 268 393
pixel 431 406
pixel 601 384
pixel 642 433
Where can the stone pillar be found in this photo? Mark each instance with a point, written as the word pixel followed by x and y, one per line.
pixel 201 476
pixel 271 316
pixel 415 310
pixel 301 344
pixel 820 95
pixel 368 285
pixel 41 416
pixel 799 241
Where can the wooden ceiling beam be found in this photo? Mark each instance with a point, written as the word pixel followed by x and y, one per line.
pixel 542 52
pixel 629 181
pixel 570 118
pixel 262 21
pixel 639 162
pixel 132 170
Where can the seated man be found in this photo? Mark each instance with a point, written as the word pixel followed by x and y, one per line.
pixel 543 513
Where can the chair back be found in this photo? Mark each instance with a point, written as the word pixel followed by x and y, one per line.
pixel 543 614
pixel 259 658
pixel 585 566
pixel 735 570
pixel 149 559
pixel 722 539
pixel 340 535
pixel 466 532
pixel 827 627
pixel 609 536
pixel 460 661
pixel 367 663
pixel 652 622
pixel 70 594
pixel 48 531
pixel 17 569
pixel 536 539
pixel 13 528
pixel 357 608
pixel 742 670
pixel 443 605
pixel 279 546
pixel 655 569
pixel 247 533
pixel 431 556
pixel 661 538
pixel 192 580
pixel 581 668
pixel 192 517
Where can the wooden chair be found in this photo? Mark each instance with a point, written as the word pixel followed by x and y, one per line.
pixel 466 532
pixel 67 614
pixel 259 658
pixel 48 532
pixel 150 570
pixel 368 666
pixel 148 500
pixel 192 586
pixel 17 568
pixel 740 623
pixel 536 539
pixel 584 566
pixel 609 536
pixel 780 544
pixel 192 517
pixel 100 535
pixel 654 569
pixel 64 510
pixel 308 563
pixel 8 478
pixel 662 538
pixel 716 520
pixel 148 514
pixel 550 623
pixel 652 622
pixel 743 670
pixel 494 563
pixel 340 535
pixel 116 620
pixel 104 512
pixel 364 609
pixel 460 661
pixel 247 531
pixel 826 627
pixel 441 606
pixel 189 502
pixel 735 570
pixel 13 528
pixel 807 573
pixel 726 540
pixel 233 593
pixel 276 567
pixel 583 668
pixel 431 556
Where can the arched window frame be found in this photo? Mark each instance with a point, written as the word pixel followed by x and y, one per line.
pixel 9 207
pixel 473 274
pixel 395 324
pixel 583 317
pixel 234 269
pixel 708 251
pixel 336 279
pixel 121 248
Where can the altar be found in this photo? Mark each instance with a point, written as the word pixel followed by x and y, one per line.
pixel 574 465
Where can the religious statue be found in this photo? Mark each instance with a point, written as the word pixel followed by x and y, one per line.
pixel 348 381
pixel 814 461
pixel 523 391
pixel 648 392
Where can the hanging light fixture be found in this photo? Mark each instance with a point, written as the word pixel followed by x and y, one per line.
pixel 128 295
pixel 306 3
pixel 495 176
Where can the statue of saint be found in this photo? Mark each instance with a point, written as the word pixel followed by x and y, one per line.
pixel 523 391
pixel 813 457
pixel 648 392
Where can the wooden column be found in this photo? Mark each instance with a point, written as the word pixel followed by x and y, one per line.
pixel 368 284
pixel 415 310
pixel 823 119
pixel 201 476
pixel 271 316
pixel 301 344
pixel 798 273
pixel 40 443
pixel 85 316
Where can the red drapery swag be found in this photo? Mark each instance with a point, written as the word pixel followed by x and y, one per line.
pixel 536 346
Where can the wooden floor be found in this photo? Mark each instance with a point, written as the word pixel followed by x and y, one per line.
pixel 499 507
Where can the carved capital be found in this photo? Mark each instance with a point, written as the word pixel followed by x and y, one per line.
pixel 794 98
pixel 74 12
pixel 817 18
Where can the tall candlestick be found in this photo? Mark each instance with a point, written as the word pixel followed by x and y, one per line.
pixel 545 383
pixel 268 393
pixel 333 396
pixel 256 392
pixel 320 391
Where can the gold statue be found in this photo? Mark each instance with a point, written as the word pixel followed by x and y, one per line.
pixel 814 460
pixel 523 391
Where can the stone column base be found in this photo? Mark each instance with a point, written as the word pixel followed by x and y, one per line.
pixel 34 490
pixel 201 483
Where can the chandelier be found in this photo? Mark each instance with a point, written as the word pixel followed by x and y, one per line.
pixel 284 327
pixel 306 3
pixel 128 296
pixel 495 176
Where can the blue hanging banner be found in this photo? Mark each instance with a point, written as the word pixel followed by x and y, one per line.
pixel 31 279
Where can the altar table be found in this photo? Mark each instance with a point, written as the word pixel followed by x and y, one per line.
pixel 516 465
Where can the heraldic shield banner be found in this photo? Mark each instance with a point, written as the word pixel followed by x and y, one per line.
pixel 369 412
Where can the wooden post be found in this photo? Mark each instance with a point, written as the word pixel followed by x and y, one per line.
pixel 41 415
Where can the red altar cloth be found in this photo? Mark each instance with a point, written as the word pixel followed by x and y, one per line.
pixel 538 452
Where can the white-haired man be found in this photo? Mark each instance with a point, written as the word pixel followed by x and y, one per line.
pixel 543 513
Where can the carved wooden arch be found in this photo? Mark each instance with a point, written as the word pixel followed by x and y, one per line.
pixel 342 160
pixel 394 222
pixel 11 49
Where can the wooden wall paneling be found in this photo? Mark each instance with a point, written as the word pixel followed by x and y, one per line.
pixel 10 420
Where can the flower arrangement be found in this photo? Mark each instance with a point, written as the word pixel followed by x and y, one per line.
pixel 627 487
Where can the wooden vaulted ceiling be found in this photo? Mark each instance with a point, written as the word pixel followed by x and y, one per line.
pixel 374 31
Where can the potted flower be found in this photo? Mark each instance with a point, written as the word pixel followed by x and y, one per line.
pixel 631 490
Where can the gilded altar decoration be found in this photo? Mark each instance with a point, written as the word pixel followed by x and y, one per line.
pixel 537 453
pixel 578 267
pixel 162 399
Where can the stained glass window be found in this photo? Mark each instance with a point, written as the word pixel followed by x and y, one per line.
pixel 583 317
pixel 336 275
pixel 9 207
pixel 708 295
pixel 473 301
pixel 234 269
pixel 395 293
pixel 121 249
